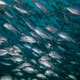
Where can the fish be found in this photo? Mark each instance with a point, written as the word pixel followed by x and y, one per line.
pixel 25 38
pixel 21 10
pixel 40 6
pixel 2 3
pixel 29 25
pixel 3 52
pixel 8 14
pixel 30 70
pixel 51 29
pixel 41 33
pixel 55 55
pixel 41 76
pixel 66 37
pixel 73 10
pixel 6 77
pixel 2 40
pixel 9 27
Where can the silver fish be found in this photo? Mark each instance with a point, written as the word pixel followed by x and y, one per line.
pixel 3 52
pixel 66 37
pixel 51 29
pixel 3 3
pixel 73 10
pixel 29 39
pixel 21 10
pixel 8 14
pixel 40 6
pixel 41 33
pixel 9 27
pixel 6 77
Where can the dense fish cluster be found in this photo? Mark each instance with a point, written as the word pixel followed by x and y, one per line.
pixel 39 40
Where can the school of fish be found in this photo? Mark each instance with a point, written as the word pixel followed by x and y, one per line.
pixel 39 40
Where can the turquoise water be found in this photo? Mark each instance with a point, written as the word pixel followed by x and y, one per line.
pixel 40 40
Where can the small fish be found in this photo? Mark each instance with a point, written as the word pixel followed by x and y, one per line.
pixel 55 55
pixel 2 6
pixel 41 33
pixel 8 14
pixel 29 25
pixel 34 35
pixel 3 3
pixel 40 6
pixel 73 10
pixel 6 77
pixel 3 52
pixel 2 40
pixel 20 10
pixel 51 29
pixel 25 38
pixel 29 70
pixel 39 75
pixel 9 26
pixel 66 37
